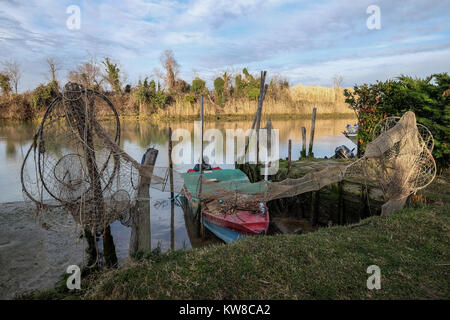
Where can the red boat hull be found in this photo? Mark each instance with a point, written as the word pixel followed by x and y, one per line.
pixel 242 221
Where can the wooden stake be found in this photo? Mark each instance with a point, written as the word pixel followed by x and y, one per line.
pixel 257 120
pixel 289 154
pixel 140 230
pixel 172 194
pixel 313 126
pixel 199 189
pixel 303 153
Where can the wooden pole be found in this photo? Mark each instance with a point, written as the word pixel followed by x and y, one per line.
pixel 170 165
pixel 303 153
pixel 313 127
pixel 257 120
pixel 199 191
pixel 172 194
pixel 140 229
pixel 262 94
pixel 289 154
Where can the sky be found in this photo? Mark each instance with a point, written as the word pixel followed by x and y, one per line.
pixel 307 42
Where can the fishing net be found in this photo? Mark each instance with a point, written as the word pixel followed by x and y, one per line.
pixel 75 164
pixel 400 158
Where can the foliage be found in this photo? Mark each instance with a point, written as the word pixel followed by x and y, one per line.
pixel 159 99
pixel 247 86
pixel 43 95
pixel 428 98
pixel 146 93
pixel 189 98
pixel 219 84
pixel 112 75
pixel 198 86
pixel 239 86
pixel 181 86
pixel 5 84
pixel 253 93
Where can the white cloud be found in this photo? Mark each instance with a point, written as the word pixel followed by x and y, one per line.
pixel 210 35
pixel 370 69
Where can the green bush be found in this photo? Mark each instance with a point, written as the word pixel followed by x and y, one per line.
pixel 219 84
pixel 253 93
pixel 112 75
pixel 198 86
pixel 428 98
pixel 159 99
pixel 239 86
pixel 43 95
pixel 189 98
pixel 146 93
pixel 5 84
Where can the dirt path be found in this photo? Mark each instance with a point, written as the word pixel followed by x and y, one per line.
pixel 32 256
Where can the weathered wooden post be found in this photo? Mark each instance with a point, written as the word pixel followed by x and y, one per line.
pixel 313 127
pixel 257 120
pixel 140 229
pixel 289 154
pixel 172 194
pixel 200 182
pixel 303 153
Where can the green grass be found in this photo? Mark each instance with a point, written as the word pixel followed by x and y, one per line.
pixel 411 247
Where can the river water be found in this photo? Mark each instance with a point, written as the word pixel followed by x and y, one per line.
pixel 137 136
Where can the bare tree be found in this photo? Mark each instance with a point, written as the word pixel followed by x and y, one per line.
pixel 158 74
pixel 88 74
pixel 53 68
pixel 337 81
pixel 12 69
pixel 171 66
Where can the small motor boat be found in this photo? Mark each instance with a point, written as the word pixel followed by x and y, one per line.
pixel 342 152
pixel 352 133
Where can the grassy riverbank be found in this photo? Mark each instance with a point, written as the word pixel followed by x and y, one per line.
pixel 410 247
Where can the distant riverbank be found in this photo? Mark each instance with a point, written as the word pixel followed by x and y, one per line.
pixel 297 102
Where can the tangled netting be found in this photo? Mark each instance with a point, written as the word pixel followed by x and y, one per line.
pixel 399 158
pixel 75 164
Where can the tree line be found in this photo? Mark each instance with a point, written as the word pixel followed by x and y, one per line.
pixel 151 93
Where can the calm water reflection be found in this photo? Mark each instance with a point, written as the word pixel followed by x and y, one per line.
pixel 137 136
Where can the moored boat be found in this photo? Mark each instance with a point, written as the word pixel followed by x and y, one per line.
pixel 351 133
pixel 227 222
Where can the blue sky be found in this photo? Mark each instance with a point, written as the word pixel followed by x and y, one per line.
pixel 307 42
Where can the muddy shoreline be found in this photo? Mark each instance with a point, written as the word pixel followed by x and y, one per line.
pixel 34 252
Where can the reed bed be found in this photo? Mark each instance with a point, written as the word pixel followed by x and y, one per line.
pixel 298 100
